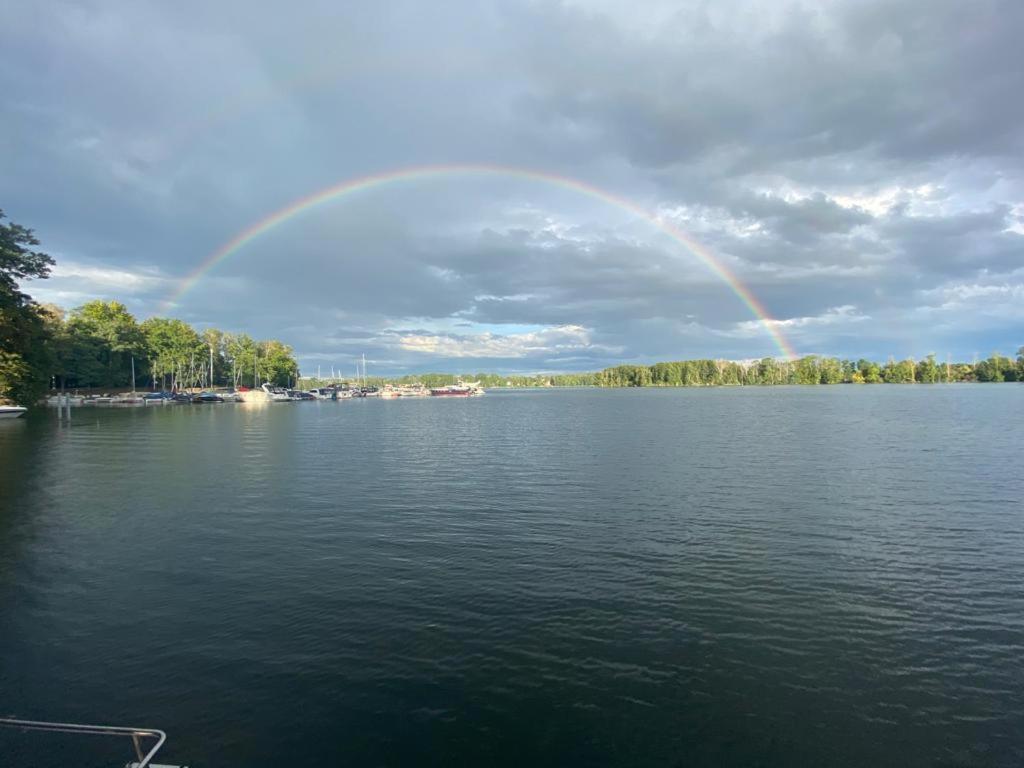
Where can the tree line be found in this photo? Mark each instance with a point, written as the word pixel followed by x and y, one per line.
pixel 811 369
pixel 101 345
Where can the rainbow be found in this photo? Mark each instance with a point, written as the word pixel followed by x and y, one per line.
pixel 352 186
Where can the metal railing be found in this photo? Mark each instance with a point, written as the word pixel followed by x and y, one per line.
pixel 137 735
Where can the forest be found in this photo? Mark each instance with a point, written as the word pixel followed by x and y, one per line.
pixel 101 344
pixel 811 369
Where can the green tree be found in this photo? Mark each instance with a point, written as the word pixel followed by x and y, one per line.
pixel 995 368
pixel 927 371
pixel 25 351
pixel 240 353
pixel 76 356
pixel 807 370
pixel 19 262
pixel 215 341
pixel 768 371
pixel 830 371
pixel 1020 364
pixel 277 364
pixel 174 350
pixel 122 340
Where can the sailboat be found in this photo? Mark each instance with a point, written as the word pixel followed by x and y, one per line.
pixel 132 398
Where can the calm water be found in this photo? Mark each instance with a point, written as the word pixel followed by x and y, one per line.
pixel 726 577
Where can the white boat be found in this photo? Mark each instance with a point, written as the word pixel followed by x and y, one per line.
pixel 409 390
pixel 276 394
pixel 11 411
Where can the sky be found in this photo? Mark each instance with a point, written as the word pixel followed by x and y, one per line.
pixel 655 181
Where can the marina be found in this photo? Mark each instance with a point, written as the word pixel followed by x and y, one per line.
pixel 263 395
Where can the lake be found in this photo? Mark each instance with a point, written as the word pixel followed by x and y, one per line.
pixel 694 577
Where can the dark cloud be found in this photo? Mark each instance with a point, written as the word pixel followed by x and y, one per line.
pixel 856 164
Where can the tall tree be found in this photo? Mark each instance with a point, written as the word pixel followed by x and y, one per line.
pixel 76 356
pixel 240 350
pixel 927 371
pixel 25 353
pixel 172 349
pixel 277 364
pixel 116 328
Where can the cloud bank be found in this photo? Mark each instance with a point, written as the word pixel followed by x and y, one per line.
pixel 857 164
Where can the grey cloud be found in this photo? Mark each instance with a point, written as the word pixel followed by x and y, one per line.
pixel 138 139
pixel 784 83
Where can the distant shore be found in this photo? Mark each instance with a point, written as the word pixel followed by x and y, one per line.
pixel 808 370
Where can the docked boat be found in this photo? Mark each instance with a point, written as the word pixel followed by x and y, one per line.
pixel 206 397
pixel 324 393
pixel 12 411
pixel 410 390
pixel 460 389
pixel 276 394
pixel 452 390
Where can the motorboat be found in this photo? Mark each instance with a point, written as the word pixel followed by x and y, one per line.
pixel 277 394
pixel 409 390
pixel 324 393
pixel 461 389
pixel 206 397
pixel 12 411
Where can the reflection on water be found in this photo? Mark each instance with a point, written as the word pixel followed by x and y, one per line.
pixel 687 577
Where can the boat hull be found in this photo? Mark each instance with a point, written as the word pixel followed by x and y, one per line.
pixel 11 411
